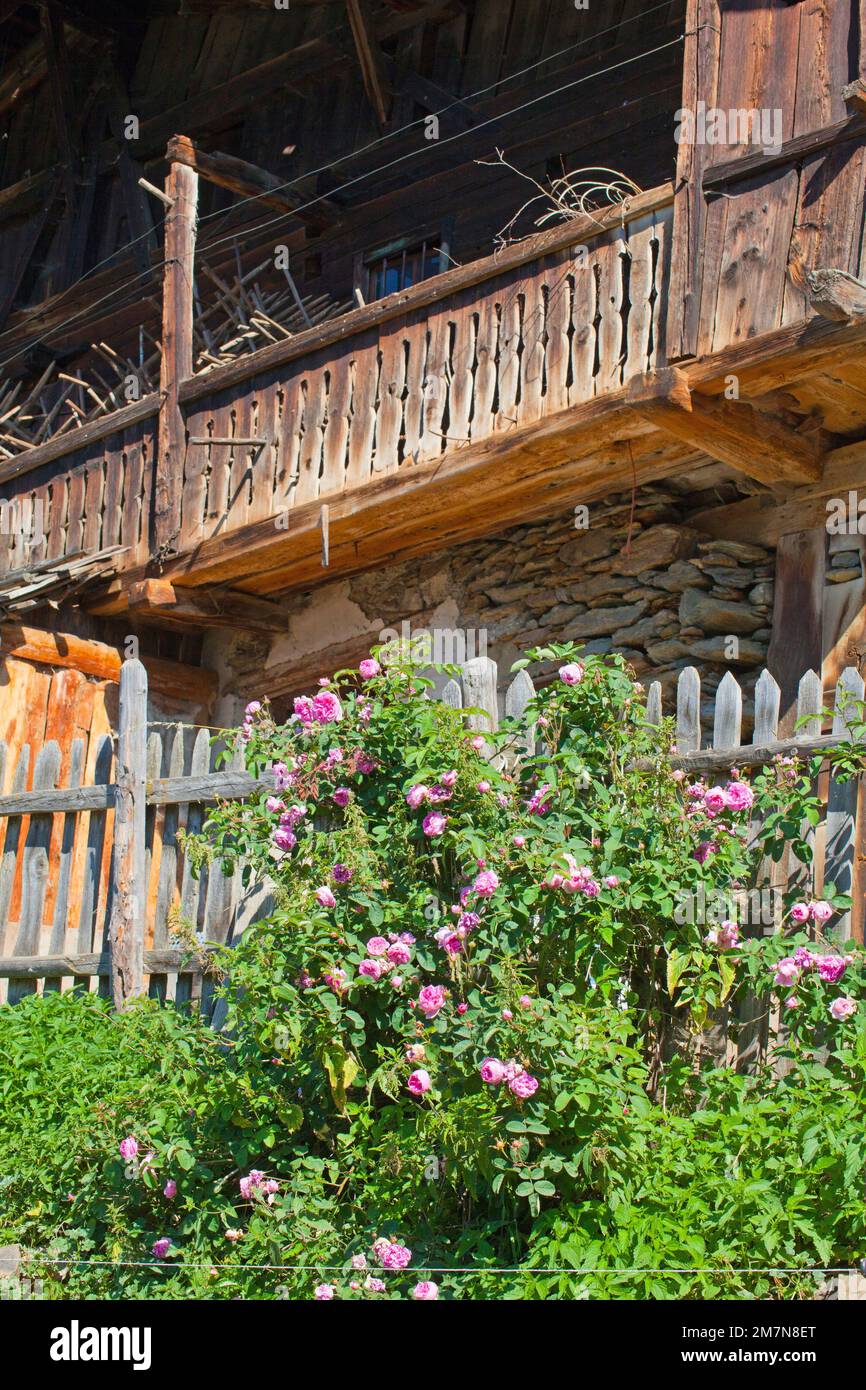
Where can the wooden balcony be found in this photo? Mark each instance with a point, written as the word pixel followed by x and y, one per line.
pixel 481 395
pixel 498 392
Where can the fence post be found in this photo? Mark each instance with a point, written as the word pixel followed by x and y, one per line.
pixel 129 898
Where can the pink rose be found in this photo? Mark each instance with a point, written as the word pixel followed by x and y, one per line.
pixel 525 1002
pixel 843 1008
pixel 486 883
pixel 359 1261
pixel 253 707
pixel 335 980
pixel 431 999
pixel 715 800
pixel 284 838
pixel 161 1247
pixel 374 1285
pixel 831 968
pixel 482 787
pixel 390 1254
pixel 323 1292
pixel 377 946
pixel 416 795
pixel 611 881
pixel 523 1085
pixel 518 841
pixel 369 668
pixel 448 779
pixel 325 897
pixel 128 1148
pixel 303 708
pixel 419 1082
pixel 282 776
pixel 792 1002
pixel 275 803
pixel 572 674
pixel 341 797
pixel 787 973
pixel 398 954
pixel 725 936
pixel 170 1189
pixel 800 912
pixel 738 796
pixel 372 969
pixel 327 708
pixel 492 1071
pixel 821 911
pixel 426 1292
pixel 434 824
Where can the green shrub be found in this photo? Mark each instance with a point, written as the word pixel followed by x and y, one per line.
pixel 473 1026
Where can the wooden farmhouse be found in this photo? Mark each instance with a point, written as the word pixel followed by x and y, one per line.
pixel 503 321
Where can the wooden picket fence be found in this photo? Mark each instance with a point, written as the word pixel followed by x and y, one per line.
pixel 120 882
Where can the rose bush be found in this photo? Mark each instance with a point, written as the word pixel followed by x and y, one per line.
pixel 473 1031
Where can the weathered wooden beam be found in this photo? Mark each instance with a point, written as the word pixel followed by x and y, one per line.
pixel 55 967
pixel 174 679
pixel 748 755
pixel 742 166
pixel 767 517
pixel 126 928
pixel 158 601
pixel 369 59
pixel 731 431
pixel 177 347
pixel 63 800
pixel 836 295
pixel 248 180
pixel 798 617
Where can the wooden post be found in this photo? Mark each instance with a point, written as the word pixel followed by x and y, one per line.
pixel 177 318
pixel 126 932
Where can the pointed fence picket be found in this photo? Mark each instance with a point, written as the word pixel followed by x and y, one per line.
pixel 104 880
pixel 836 848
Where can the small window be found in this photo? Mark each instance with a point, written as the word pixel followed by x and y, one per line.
pixel 399 266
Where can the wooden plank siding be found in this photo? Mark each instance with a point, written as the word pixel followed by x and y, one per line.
pixel 744 214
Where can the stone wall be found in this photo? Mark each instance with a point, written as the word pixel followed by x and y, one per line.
pixel 671 598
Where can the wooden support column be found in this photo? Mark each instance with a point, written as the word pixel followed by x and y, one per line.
pixel 796 645
pixel 126 930
pixel 181 187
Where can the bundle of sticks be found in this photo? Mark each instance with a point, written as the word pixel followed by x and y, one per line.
pixel 232 317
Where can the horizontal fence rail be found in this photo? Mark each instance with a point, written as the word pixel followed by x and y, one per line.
pixel 114 841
